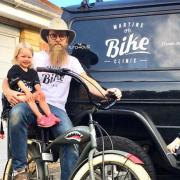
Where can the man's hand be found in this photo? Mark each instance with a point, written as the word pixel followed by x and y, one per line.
pixel 13 97
pixel 174 145
pixel 115 91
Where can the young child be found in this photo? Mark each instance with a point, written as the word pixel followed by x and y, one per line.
pixel 23 78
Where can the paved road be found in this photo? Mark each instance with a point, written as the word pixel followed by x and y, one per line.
pixel 3 153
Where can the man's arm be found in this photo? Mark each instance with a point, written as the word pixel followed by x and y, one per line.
pixel 11 95
pixel 96 89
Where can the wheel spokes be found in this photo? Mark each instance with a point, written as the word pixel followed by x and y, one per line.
pixel 112 172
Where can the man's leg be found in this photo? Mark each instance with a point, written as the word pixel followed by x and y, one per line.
pixel 69 153
pixel 20 118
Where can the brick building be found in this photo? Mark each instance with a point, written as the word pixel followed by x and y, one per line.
pixel 21 20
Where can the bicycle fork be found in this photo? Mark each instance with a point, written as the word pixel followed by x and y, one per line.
pixel 46 156
pixel 93 145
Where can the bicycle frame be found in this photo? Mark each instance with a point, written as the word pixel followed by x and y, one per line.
pixel 91 149
pixel 78 135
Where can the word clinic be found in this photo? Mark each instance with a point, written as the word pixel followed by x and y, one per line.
pixel 128 45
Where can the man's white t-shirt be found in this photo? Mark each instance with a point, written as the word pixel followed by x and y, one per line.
pixel 56 88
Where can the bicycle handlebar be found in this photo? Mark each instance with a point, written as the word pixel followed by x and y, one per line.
pixel 65 71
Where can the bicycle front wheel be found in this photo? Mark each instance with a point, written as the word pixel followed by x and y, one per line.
pixel 115 167
pixel 35 166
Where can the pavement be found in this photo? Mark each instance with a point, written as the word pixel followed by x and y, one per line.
pixel 3 152
pixel 54 170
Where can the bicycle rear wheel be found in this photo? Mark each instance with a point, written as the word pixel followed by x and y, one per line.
pixel 35 166
pixel 116 167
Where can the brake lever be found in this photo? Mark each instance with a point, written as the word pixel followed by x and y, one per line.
pixel 104 106
pixel 110 105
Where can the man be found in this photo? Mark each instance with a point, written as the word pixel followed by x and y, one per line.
pixel 56 90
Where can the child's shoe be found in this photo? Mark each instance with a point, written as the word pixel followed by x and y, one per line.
pixel 45 122
pixel 54 118
pixel 2 136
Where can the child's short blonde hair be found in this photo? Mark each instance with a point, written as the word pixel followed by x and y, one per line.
pixel 18 48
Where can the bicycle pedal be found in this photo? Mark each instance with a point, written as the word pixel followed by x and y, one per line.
pixel 47 157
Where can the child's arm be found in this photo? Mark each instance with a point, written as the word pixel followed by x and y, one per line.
pixel 25 89
pixel 38 87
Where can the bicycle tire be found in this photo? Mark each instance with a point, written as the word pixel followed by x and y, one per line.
pixel 129 146
pixel 35 166
pixel 116 161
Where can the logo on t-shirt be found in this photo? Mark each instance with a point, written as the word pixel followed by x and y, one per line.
pixel 48 78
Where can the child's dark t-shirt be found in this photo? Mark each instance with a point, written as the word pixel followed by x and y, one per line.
pixel 16 73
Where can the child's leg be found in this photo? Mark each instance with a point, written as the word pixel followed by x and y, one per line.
pixel 44 106
pixel 42 103
pixel 42 120
pixel 32 105
pixel 35 109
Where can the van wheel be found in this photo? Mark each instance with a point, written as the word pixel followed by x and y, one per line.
pixel 127 145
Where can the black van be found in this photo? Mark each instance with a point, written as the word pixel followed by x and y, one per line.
pixel 135 46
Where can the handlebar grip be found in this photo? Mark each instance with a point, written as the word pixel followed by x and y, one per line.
pixel 43 69
pixel 60 71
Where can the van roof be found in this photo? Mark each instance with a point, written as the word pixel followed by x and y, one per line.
pixel 124 4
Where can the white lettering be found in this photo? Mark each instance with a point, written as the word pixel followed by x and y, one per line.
pixel 129 45
pixel 112 47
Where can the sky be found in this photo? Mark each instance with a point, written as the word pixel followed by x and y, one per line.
pixel 64 3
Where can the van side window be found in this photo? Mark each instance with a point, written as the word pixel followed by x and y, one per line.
pixel 139 42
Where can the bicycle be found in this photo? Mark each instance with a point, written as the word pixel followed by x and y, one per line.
pixel 92 164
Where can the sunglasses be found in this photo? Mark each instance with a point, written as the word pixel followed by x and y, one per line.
pixel 54 36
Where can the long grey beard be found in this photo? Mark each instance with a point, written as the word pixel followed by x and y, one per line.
pixel 58 55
